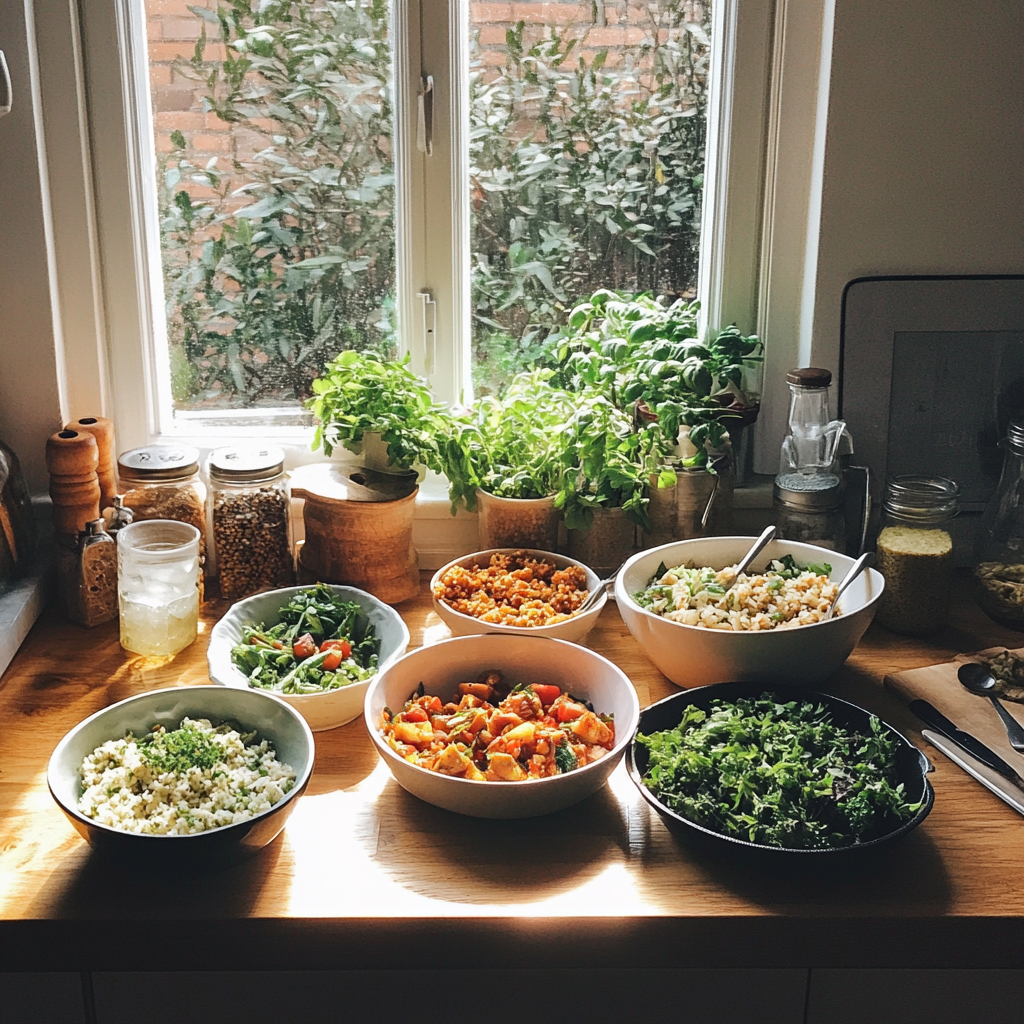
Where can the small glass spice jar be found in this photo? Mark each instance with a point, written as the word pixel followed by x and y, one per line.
pixel 249 512
pixel 999 548
pixel 914 552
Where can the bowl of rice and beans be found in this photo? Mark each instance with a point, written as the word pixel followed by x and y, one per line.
pixel 205 772
pixel 501 726
pixel 516 591
pixel 769 624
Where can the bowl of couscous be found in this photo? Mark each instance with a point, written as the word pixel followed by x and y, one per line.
pixel 204 774
pixel 517 591
pixel 768 625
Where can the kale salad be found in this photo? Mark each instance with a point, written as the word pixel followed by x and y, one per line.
pixel 321 643
pixel 778 773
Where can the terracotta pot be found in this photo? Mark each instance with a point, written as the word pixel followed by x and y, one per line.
pixel 358 531
pixel 517 522
pixel 608 542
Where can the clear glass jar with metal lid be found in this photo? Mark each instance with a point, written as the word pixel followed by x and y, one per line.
pixel 999 546
pixel 249 513
pixel 161 481
pixel 915 552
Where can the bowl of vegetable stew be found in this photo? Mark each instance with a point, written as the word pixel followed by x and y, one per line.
pixel 526 663
pixel 796 655
pixel 778 771
pixel 318 648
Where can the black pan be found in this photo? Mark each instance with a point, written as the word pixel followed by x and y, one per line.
pixel 911 765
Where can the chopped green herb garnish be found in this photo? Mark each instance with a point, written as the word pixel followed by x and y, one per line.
pixel 180 750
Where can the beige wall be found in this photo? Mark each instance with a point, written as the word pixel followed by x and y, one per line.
pixel 29 403
pixel 924 158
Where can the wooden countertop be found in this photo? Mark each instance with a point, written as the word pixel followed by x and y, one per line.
pixel 366 876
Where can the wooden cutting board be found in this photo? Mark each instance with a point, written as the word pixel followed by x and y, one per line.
pixel 939 685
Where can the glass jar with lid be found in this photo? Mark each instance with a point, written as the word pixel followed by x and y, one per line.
pixel 914 552
pixel 249 513
pixel 999 547
pixel 161 481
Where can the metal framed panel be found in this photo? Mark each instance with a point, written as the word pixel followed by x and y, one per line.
pixel 931 369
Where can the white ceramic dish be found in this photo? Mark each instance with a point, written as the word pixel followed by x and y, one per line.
pixel 271 718
pixel 325 710
pixel 527 659
pixel 574 629
pixel 694 656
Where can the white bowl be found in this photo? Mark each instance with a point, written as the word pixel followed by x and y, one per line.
pixel 526 659
pixel 695 656
pixel 574 628
pixel 321 711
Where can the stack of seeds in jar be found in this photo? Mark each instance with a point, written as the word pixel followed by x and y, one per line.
pixel 249 511
pixel 161 481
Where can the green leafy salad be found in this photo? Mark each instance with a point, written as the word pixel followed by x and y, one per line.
pixel 321 643
pixel 778 773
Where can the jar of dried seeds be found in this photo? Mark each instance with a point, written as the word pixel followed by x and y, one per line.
pixel 999 548
pixel 915 552
pixel 249 511
pixel 161 481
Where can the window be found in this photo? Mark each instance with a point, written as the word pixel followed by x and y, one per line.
pixel 279 200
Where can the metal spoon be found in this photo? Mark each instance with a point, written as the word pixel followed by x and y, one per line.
pixel 601 588
pixel 979 679
pixel 856 569
pixel 741 566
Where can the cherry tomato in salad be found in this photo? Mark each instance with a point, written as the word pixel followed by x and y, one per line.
pixel 304 647
pixel 337 645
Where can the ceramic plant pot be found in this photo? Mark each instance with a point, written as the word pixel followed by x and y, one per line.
pixel 517 522
pixel 608 542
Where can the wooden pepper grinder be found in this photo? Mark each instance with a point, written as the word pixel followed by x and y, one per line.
pixel 71 459
pixel 103 430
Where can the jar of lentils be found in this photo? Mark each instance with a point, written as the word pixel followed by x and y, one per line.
pixel 915 554
pixel 161 481
pixel 249 509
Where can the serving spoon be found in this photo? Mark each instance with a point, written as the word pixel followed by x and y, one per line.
pixel 856 569
pixel 741 566
pixel 978 679
pixel 600 589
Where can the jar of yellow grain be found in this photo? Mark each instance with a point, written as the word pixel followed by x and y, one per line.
pixel 915 552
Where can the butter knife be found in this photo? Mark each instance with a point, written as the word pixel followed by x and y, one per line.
pixel 930 715
pixel 1007 791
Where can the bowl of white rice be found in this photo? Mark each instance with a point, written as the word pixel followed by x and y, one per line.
pixel 204 772
pixel 762 628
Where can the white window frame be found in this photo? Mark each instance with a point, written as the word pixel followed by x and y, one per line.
pixel 768 102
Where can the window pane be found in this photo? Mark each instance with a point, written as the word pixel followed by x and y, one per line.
pixel 587 129
pixel 273 132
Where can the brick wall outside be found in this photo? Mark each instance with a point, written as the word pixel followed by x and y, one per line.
pixel 172 30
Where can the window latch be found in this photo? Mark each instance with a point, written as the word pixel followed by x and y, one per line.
pixel 425 116
pixel 5 81
pixel 428 310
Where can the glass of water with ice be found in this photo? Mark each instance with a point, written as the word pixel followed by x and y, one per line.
pixel 158 586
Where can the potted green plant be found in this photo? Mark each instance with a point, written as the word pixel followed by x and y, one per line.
pixel 504 458
pixel 379 409
pixel 604 494
pixel 644 355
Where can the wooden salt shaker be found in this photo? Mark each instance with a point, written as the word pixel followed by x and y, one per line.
pixel 103 430
pixel 71 460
